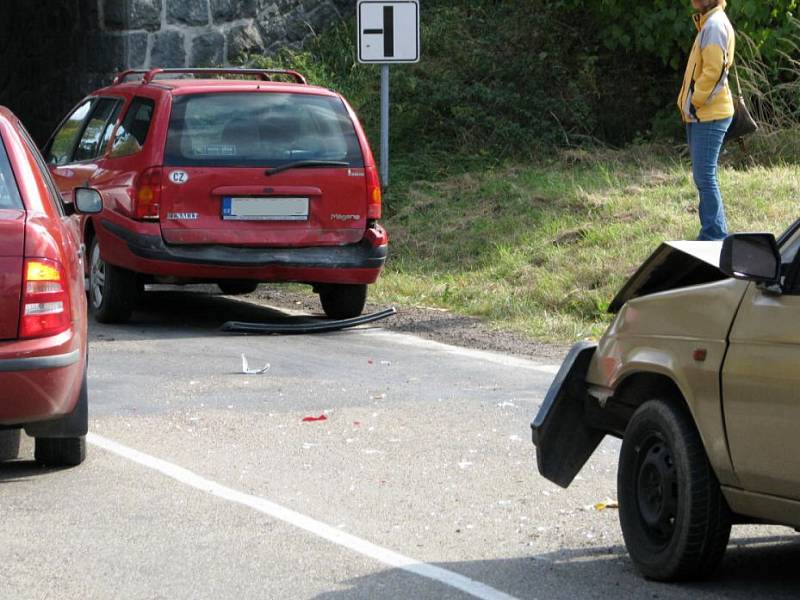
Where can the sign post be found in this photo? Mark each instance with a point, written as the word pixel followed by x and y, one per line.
pixel 388 32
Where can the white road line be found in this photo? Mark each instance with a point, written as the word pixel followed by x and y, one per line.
pixel 483 355
pixel 317 528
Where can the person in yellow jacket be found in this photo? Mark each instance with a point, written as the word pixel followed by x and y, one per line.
pixel 706 105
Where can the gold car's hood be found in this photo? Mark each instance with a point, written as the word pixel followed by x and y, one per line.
pixel 673 265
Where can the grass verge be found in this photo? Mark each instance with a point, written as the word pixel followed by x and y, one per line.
pixel 543 248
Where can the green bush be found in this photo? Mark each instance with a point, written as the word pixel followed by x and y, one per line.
pixel 494 81
pixel 505 79
pixel 662 28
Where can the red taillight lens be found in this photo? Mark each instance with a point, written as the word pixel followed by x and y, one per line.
pixel 374 195
pixel 148 195
pixel 45 302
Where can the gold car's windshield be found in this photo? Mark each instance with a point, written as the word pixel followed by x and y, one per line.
pixel 789 242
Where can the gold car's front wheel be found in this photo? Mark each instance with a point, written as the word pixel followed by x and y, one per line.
pixel 675 521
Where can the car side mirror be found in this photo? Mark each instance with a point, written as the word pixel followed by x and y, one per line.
pixel 752 257
pixel 88 201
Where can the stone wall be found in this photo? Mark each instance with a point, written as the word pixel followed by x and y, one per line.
pixel 182 33
pixel 54 52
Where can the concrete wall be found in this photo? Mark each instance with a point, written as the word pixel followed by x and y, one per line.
pixel 45 57
pixel 53 52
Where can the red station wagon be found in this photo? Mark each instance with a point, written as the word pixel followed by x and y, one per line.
pixel 43 339
pixel 231 181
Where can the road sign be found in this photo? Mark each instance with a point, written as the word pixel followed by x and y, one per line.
pixel 388 32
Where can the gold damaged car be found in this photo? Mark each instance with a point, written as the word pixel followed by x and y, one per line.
pixel 699 375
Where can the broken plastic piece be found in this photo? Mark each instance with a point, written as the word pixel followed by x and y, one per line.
pixel 246 370
pixel 606 504
pixel 304 326
pixel 314 419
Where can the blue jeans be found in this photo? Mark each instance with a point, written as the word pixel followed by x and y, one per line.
pixel 705 142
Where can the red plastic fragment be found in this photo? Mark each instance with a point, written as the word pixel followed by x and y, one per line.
pixel 356 423
pixel 314 419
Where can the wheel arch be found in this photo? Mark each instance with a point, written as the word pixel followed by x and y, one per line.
pixel 618 404
pixel 641 385
pixel 638 386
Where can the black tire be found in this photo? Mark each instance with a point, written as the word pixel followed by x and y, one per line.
pixel 60 452
pixel 340 301
pixel 237 288
pixel 113 292
pixel 681 534
pixel 9 443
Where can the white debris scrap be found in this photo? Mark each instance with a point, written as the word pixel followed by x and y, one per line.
pixel 246 370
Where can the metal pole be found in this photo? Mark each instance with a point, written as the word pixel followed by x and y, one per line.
pixel 385 125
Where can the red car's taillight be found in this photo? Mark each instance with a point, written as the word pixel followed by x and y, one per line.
pixel 148 195
pixel 45 301
pixel 374 195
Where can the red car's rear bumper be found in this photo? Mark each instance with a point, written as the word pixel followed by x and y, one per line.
pixel 139 247
pixel 40 379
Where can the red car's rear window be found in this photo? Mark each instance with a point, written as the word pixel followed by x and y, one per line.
pixel 254 129
pixel 9 194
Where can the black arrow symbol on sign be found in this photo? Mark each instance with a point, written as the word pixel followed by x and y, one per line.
pixel 387 31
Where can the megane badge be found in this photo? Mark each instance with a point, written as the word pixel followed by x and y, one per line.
pixel 182 216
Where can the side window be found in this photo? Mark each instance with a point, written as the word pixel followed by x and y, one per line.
pixel 55 194
pixel 106 138
pixel 60 152
pixel 132 133
pixel 9 194
pixel 90 144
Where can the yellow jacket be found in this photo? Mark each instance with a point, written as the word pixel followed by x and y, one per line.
pixel 705 94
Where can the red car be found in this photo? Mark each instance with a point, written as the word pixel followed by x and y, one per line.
pixel 43 339
pixel 207 176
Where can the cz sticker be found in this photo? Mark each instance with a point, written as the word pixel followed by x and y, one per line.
pixel 179 177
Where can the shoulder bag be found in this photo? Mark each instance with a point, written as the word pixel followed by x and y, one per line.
pixel 743 123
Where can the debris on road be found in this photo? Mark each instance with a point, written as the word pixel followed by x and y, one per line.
pixel 246 370
pixel 601 506
pixel 314 419
pixel 303 325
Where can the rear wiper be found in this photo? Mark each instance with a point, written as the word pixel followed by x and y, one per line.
pixel 306 163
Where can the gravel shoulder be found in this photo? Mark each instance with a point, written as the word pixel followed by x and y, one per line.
pixel 429 323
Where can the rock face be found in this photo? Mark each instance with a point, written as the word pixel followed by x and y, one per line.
pixel 81 44
pixel 197 33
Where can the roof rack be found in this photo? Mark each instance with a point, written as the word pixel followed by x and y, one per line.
pixel 124 76
pixel 148 75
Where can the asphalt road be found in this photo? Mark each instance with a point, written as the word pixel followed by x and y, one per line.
pixel 202 482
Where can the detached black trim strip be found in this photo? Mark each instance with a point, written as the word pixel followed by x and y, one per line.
pixel 39 362
pixel 354 256
pixel 305 327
